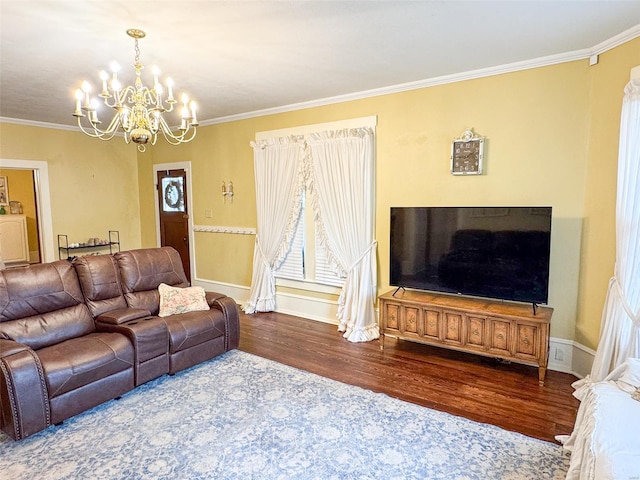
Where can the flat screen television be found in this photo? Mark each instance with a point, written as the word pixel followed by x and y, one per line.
pixel 495 252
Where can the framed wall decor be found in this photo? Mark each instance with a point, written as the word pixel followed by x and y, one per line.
pixel 173 194
pixel 467 154
pixel 4 191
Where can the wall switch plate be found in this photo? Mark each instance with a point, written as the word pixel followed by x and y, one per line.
pixel 208 213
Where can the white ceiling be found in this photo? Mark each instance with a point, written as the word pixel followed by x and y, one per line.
pixel 236 57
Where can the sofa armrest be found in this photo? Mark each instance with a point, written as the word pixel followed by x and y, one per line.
pixel 122 315
pixel 9 347
pixel 22 384
pixel 212 297
pixel 229 308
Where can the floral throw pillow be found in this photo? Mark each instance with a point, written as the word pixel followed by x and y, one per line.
pixel 181 300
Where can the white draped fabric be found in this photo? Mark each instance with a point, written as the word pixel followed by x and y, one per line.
pixel 279 177
pixel 341 186
pixel 620 328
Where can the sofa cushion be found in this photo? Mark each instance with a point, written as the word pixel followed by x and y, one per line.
pixel 143 270
pixel 189 329
pixel 80 361
pixel 100 282
pixel 41 288
pixel 175 300
pixel 42 304
pixel 49 328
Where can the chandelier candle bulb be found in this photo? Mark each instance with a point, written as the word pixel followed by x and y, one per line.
pixel 87 100
pixel 116 86
pixel 186 115
pixel 170 98
pixel 104 76
pixel 185 109
pixel 78 112
pixel 115 68
pixel 156 72
pixel 93 113
pixel 194 120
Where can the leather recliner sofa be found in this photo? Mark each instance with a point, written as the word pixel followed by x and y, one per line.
pixel 76 334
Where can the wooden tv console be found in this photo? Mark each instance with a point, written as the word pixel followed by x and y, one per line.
pixel 508 331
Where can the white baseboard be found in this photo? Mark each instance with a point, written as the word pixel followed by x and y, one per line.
pixel 582 360
pixel 238 292
pixel 565 356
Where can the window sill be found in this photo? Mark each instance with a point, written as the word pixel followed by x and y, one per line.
pixel 308 285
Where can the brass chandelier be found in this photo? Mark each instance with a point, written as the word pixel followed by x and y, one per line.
pixel 138 109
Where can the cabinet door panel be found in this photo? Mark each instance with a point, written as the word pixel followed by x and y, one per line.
pixel 392 315
pixel 410 320
pixel 432 324
pixel 453 328
pixel 14 245
pixel 500 336
pixel 527 341
pixel 475 332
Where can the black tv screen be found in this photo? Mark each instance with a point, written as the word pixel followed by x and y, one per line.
pixel 495 252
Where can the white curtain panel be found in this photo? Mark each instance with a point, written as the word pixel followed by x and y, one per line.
pixel 341 187
pixel 279 177
pixel 620 328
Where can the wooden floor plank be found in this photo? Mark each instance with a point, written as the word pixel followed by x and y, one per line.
pixel 478 388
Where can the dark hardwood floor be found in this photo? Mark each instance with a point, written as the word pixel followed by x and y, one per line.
pixel 471 386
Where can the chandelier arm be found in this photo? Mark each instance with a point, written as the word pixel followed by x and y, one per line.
pixel 168 109
pixel 114 124
pixel 171 137
pixel 166 131
pixel 120 96
pixel 106 134
pixel 180 138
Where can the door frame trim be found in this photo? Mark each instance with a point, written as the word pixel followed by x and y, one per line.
pixel 186 166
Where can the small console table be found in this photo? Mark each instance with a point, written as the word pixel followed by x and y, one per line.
pixel 508 331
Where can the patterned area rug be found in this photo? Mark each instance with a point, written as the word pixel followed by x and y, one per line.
pixel 240 416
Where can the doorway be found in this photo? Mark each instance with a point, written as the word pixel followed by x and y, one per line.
pixel 39 172
pixel 172 187
pixel 21 202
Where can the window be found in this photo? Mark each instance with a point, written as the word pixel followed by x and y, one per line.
pixel 307 260
pixel 292 268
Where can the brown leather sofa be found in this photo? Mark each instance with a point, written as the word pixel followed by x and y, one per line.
pixel 75 335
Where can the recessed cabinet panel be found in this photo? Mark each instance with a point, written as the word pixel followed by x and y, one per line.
pixel 392 313
pixel 527 341
pixel 484 327
pixel 475 332
pixel 432 324
pixel 453 327
pixel 500 337
pixel 410 323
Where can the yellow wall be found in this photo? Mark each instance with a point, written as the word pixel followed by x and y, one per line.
pixel 94 184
